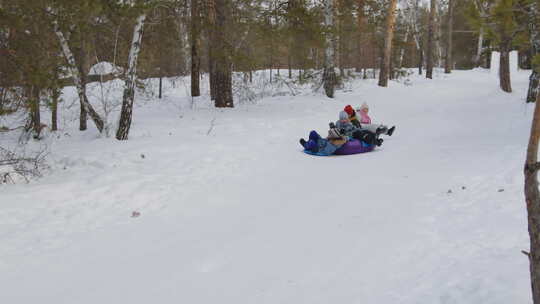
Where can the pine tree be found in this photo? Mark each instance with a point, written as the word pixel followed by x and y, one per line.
pixel 361 24
pixel 387 50
pixel 430 40
pixel 195 47
pixel 448 59
pixel 219 16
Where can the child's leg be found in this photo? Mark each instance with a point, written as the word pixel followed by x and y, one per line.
pixel 371 127
pixel 366 136
pixel 391 130
pixel 313 135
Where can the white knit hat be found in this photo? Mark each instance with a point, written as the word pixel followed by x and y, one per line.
pixel 363 106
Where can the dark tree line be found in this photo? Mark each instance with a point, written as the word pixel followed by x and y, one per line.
pixel 48 44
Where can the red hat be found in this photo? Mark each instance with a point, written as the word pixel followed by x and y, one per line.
pixel 349 110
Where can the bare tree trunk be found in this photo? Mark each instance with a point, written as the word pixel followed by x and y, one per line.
pixel 430 46
pixel 340 42
pixel 361 24
pixel 448 60
pixel 160 95
pixel 195 46
pixel 478 57
pixel 534 34
pixel 54 109
pixel 420 57
pixel 387 51
pixel 221 51
pixel 329 74
pixel 35 115
pixel 129 89
pixel 532 198
pixel 81 90
pixel 436 38
pixel 211 69
pixel 504 68
pixel 534 81
pixel 83 116
pixel 289 64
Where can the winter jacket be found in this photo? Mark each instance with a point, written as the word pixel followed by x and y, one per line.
pixel 322 145
pixel 355 122
pixel 345 127
pixel 364 118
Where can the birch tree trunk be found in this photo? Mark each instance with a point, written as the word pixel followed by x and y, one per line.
pixel 329 74
pixel 195 46
pixel 532 199
pixel 387 51
pixel 448 60
pixel 402 51
pixel 72 66
pixel 131 77
pixel 430 46
pixel 436 38
pixel 479 48
pixel 535 50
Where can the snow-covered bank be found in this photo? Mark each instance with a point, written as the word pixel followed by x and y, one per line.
pixel 233 212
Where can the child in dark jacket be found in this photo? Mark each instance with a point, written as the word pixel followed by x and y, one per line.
pixel 346 128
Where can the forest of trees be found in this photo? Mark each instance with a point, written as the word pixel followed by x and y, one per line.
pixel 46 45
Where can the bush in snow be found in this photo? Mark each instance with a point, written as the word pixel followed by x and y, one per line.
pixel 260 87
pixel 18 166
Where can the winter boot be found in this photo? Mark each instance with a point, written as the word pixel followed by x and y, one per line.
pixel 391 130
pixel 379 142
pixel 381 130
pixel 313 135
pixel 303 142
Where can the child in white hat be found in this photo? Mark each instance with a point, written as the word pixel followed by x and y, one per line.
pixel 365 121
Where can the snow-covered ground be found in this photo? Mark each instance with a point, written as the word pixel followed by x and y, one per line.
pixel 231 210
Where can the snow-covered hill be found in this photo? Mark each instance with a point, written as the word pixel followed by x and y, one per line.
pixel 231 210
